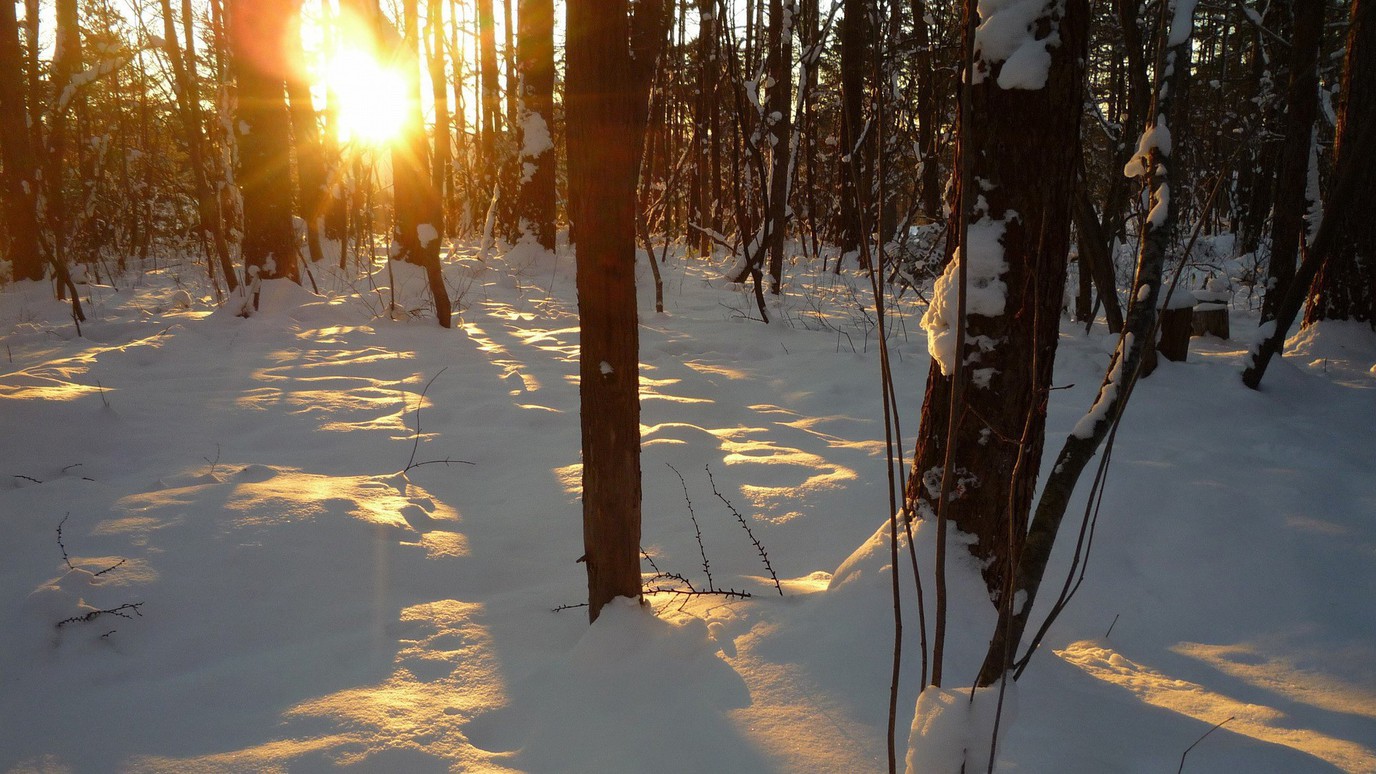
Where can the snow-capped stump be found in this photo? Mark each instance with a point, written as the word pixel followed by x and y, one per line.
pixel 1211 312
pixel 1174 340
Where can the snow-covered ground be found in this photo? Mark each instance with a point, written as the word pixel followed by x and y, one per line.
pixel 303 602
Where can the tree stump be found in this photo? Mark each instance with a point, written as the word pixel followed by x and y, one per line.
pixel 1211 313
pixel 1176 327
pixel 1174 340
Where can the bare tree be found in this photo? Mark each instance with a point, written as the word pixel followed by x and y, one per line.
pixel 535 54
pixel 20 167
pixel 605 105
pixel 418 217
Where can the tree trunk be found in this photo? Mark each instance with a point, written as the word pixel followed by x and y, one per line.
pixel 490 102
pixel 417 217
pixel 189 110
pixel 20 167
pixel 1151 164
pixel 779 125
pixel 1345 288
pixel 535 48
pixel 263 127
pixel 65 94
pixel 442 160
pixel 1302 96
pixel 603 105
pixel 1015 238
pixel 854 172
pixel 313 196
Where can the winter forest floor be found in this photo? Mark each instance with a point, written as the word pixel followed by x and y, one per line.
pixel 304 604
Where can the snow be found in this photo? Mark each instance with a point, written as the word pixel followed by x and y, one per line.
pixel 1182 22
pixel 535 140
pixel 985 293
pixel 1155 137
pixel 426 233
pixel 1006 35
pixel 306 603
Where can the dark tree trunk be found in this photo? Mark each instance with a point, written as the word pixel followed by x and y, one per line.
pixel 417 218
pixel 1017 237
pixel 20 166
pixel 535 47
pixel 1345 288
pixel 928 128
pixel 1269 67
pixel 311 176
pixel 605 109
pixel 440 167
pixel 706 130
pixel 65 95
pixel 1152 164
pixel 1302 96
pixel 491 110
pixel 778 121
pixel 264 136
pixel 854 172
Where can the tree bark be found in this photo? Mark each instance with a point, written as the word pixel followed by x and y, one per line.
pixel 256 28
pixel 1345 288
pixel 1302 97
pixel 417 217
pixel 854 157
pixel 20 166
pixel 441 175
pixel 305 131
pixel 535 49
pixel 1152 165
pixel 780 129
pixel 189 110
pixel 1016 153
pixel 604 105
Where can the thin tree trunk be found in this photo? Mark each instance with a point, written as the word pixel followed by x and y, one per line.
pixel 20 167
pixel 535 49
pixel 417 218
pixel 442 160
pixel 778 120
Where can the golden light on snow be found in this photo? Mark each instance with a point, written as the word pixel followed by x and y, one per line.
pixel 445 674
pixel 1195 701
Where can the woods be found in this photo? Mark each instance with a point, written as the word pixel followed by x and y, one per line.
pixel 991 179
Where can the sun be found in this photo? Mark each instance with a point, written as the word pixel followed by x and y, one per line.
pixel 370 95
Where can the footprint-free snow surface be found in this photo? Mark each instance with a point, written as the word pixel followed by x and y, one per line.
pixel 213 557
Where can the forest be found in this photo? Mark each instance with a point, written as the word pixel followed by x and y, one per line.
pixel 688 386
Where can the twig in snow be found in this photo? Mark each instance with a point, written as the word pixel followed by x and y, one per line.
pixel 65 558
pixel 764 556
pixel 706 565
pixel 68 559
pixel 1197 741
pixel 411 464
pixel 568 607
pixel 94 614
